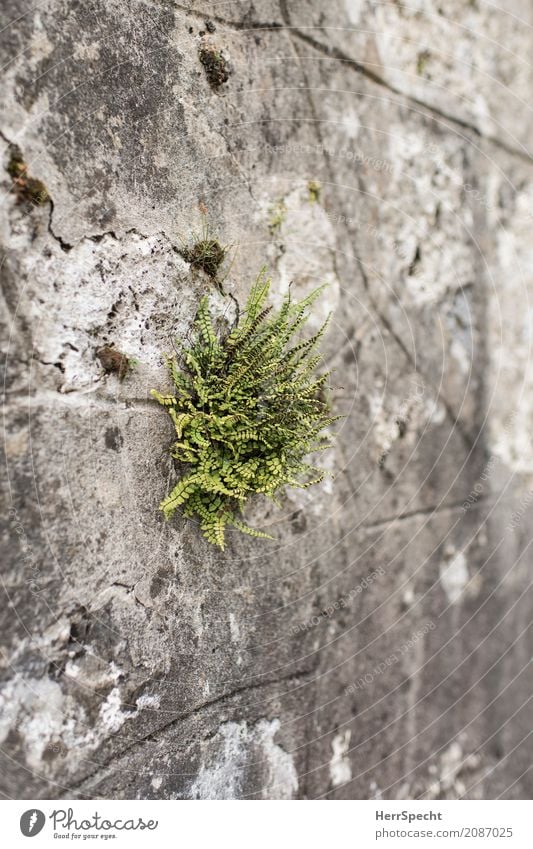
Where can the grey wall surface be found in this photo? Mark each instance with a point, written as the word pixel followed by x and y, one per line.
pixel 379 647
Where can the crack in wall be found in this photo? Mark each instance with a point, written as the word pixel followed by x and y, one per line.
pixel 432 510
pixel 333 52
pixel 152 736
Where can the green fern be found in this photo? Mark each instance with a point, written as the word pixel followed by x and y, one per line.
pixel 248 409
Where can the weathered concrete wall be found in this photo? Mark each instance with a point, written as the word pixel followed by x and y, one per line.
pixel 379 646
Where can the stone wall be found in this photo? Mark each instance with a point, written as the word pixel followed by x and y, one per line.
pixel 378 647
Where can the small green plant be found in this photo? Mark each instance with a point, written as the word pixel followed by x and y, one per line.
pixel 248 408
pixel 27 189
pixel 422 61
pixel 205 253
pixel 313 187
pixel 278 213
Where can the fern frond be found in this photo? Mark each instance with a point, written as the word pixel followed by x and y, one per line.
pixel 165 400
pixel 205 326
pixel 252 532
pixel 181 492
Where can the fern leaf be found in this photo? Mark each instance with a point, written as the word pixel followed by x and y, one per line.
pixel 165 400
pixel 181 492
pixel 251 532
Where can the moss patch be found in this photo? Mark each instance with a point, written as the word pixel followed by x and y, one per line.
pixel 206 255
pixel 278 213
pixel 27 189
pixel 215 66
pixel 422 61
pixel 314 191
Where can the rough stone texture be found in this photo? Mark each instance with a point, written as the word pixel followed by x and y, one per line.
pixel 379 647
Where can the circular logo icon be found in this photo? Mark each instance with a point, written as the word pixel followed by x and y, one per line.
pixel 32 822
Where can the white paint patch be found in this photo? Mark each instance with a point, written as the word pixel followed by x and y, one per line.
pixel 408 596
pixel 234 748
pixel 40 713
pixel 282 776
pixel 110 713
pixel 40 44
pixel 306 224
pixel 222 778
pixel 351 124
pixel 151 702
pixel 41 703
pixel 156 782
pixel 353 10
pixel 375 791
pixel 454 576
pixel 340 769
pixel 385 430
pixel 234 628
pixel 451 764
pixel 450 774
pixel 460 354
pixel 113 718
pixel 197 621
pixel 436 412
